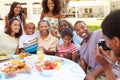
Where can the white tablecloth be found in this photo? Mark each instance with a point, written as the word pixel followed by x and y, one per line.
pixel 69 71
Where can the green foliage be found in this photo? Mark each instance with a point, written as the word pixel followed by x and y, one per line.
pixel 93 28
pixel 92 23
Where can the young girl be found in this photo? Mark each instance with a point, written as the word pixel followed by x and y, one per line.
pixel 67 49
pixel 9 39
pixel 76 39
pixel 28 42
pixel 15 12
pixel 51 13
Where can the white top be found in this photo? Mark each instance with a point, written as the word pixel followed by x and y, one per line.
pixel 28 42
pixel 8 44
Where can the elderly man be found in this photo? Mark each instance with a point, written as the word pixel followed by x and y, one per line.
pixel 46 41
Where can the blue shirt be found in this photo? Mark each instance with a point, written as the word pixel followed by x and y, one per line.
pixel 77 40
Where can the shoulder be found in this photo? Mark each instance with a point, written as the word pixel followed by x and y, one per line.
pixel 43 13
pixel 72 45
pixel 3 34
pixel 59 16
pixel 60 46
pixel 98 31
pixel 52 37
pixel 6 17
pixel 37 33
pixel 23 36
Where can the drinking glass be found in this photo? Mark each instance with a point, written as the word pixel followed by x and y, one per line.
pixel 40 54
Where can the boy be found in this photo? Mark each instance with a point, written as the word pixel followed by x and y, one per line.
pixel 28 42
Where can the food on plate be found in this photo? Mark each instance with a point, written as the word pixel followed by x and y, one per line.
pixel 49 65
pixel 23 54
pixel 3 54
pixel 59 63
pixel 45 65
pixel 15 66
pixel 49 68
pixel 38 65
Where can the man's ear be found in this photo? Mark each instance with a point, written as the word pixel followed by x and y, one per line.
pixel 116 41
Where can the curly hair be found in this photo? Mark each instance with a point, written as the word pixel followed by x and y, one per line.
pixel 11 12
pixel 68 24
pixel 17 35
pixel 111 25
pixel 56 9
pixel 67 32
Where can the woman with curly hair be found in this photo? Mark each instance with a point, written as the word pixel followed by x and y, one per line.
pixel 9 39
pixel 15 12
pixel 51 13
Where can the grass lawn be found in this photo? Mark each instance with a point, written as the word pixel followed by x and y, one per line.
pixel 92 23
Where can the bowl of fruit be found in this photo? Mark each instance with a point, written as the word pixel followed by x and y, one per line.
pixel 49 68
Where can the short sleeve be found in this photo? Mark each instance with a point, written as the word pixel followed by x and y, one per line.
pixel 73 48
pixel 54 44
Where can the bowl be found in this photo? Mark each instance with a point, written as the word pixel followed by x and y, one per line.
pixel 38 65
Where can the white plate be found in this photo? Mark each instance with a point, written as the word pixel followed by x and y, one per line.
pixel 4 58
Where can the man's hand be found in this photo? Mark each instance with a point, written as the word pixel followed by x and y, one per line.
pixel 98 55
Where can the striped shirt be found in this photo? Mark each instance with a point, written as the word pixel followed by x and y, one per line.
pixel 71 49
pixel 116 69
pixel 28 43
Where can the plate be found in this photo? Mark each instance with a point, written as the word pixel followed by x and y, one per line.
pixel 4 58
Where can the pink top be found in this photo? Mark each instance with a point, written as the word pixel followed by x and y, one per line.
pixel 62 51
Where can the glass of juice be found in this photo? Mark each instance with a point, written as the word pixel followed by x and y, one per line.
pixel 40 54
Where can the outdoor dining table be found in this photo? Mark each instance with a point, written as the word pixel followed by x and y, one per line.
pixel 69 70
